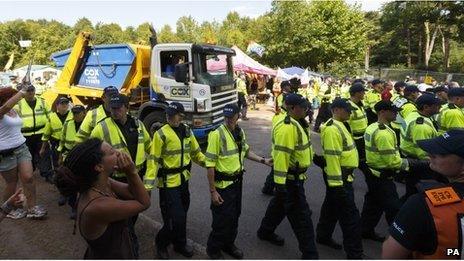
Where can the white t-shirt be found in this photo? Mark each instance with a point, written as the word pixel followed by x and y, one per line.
pixel 10 132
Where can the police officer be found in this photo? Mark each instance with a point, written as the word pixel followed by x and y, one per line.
pixel 285 88
pixel 384 161
pixel 419 126
pixel 70 129
pixel 173 148
pixel 35 114
pixel 358 118
pixel 227 148
pixel 268 188
pixel 452 116
pixel 96 115
pixel 66 143
pixel 428 225
pixel 407 105
pixel 442 94
pixel 52 132
pixel 341 159
pixel 292 154
pixel 372 97
pixel 127 134
pixel 398 90
pixel 325 94
pixel 242 95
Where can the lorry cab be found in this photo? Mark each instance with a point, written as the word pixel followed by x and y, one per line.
pixel 198 76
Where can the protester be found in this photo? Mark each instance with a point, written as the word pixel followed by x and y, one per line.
pixel 15 158
pixel 15 201
pixel 104 204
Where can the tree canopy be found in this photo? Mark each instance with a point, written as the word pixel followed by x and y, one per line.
pixel 322 35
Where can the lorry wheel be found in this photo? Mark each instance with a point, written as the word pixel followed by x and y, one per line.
pixel 154 121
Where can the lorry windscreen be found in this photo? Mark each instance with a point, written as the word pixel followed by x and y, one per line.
pixel 213 69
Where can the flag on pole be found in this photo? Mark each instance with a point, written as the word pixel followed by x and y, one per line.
pixel 253 47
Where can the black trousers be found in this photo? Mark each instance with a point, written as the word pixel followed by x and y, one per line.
pixel 225 218
pixel 339 206
pixel 295 207
pixel 381 197
pixel 50 157
pixel 241 101
pixel 174 204
pixel 323 114
pixel 269 183
pixel 34 143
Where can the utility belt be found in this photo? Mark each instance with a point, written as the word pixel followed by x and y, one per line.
pixel 358 135
pixel 9 152
pixel 385 173
pixel 32 129
pixel 222 176
pixel 163 172
pixel 294 172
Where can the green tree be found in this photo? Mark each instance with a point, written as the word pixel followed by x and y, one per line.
pixel 83 25
pixel 143 33
pixel 187 29
pixel 209 32
pixel 108 34
pixel 315 33
pixel 166 35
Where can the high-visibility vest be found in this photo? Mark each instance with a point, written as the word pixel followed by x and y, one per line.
pixel 241 86
pixel 417 128
pixel 446 208
pixel 107 130
pixel 372 97
pixel 168 159
pixel 407 107
pixel 223 154
pixel 450 117
pixel 339 152
pixel 357 121
pixel 291 150
pixel 34 119
pixel 68 137
pixel 381 148
pixel 54 127
pixel 90 121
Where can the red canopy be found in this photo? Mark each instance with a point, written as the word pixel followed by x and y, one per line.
pixel 242 62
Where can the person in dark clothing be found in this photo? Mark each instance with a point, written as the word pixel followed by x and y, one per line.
pixel 104 204
pixel 429 224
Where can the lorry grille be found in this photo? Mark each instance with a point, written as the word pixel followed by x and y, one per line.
pixel 219 100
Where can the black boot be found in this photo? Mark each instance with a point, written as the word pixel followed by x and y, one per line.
pixel 186 250
pixel 233 251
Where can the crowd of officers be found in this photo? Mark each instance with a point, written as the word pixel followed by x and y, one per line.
pixel 379 137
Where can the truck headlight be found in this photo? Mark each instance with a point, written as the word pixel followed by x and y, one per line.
pixel 200 105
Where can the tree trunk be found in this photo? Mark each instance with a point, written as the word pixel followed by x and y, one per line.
pixel 366 58
pixel 429 42
pixel 408 56
pixel 446 57
pixel 419 51
pixel 445 45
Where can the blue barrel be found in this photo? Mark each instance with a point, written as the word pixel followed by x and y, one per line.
pixel 103 65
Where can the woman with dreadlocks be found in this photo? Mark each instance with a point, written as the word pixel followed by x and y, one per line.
pixel 104 205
